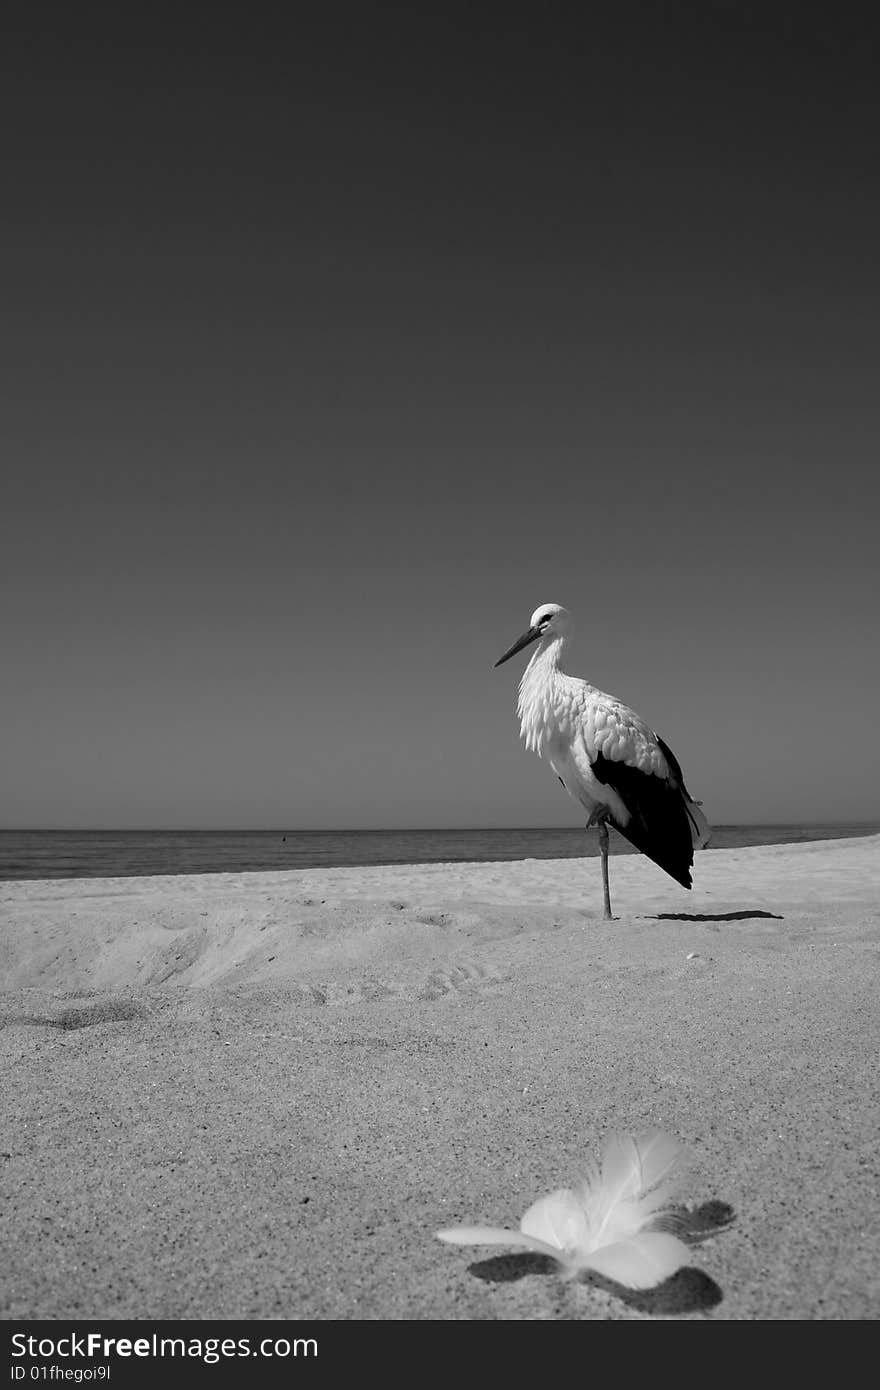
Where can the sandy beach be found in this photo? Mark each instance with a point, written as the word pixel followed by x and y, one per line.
pixel 260 1095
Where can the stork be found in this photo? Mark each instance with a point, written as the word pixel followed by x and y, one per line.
pixel 605 755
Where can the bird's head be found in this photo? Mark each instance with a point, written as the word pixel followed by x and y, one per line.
pixel 549 620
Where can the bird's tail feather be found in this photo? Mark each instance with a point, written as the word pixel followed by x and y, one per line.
pixel 666 853
pixel 701 830
pixel 667 828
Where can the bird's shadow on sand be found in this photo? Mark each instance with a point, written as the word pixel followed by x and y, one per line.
pixel 714 916
pixel 689 1290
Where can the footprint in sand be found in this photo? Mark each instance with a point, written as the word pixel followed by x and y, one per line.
pixel 456 977
pixel 336 992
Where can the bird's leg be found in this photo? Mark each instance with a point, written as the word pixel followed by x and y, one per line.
pixel 603 850
pixel 599 818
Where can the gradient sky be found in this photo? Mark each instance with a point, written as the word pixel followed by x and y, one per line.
pixel 334 346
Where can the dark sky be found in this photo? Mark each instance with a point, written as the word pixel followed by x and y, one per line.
pixel 334 345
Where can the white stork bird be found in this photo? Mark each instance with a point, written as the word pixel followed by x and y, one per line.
pixel 605 755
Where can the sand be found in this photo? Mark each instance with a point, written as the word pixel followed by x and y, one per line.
pixel 260 1095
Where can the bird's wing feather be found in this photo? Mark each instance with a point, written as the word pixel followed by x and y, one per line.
pixel 496 1235
pixel 659 1155
pixel 613 729
pixel 658 823
pixel 557 1219
pixel 664 821
pixel 634 1185
pixel 641 1261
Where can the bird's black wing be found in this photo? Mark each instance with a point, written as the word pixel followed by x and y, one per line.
pixel 660 824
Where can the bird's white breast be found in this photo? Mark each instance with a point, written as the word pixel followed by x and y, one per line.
pixel 541 706
pixel 567 719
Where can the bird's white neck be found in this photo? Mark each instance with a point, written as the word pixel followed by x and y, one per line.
pixel 537 701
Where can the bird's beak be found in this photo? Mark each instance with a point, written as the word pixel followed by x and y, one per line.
pixel 531 636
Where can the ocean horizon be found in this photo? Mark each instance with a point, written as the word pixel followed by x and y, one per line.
pixel 53 854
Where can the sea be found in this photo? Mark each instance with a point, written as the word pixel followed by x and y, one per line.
pixel 42 854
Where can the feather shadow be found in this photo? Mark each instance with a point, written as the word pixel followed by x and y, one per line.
pixel 688 1290
pixel 506 1269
